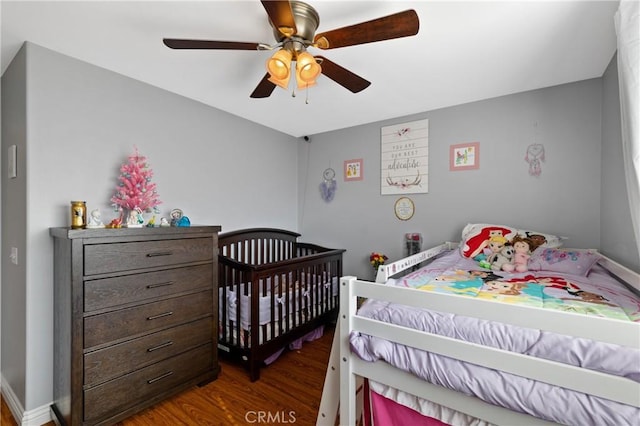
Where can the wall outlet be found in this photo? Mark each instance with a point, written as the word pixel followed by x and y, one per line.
pixel 14 255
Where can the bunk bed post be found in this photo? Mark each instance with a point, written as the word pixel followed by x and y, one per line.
pixel 328 411
pixel 347 378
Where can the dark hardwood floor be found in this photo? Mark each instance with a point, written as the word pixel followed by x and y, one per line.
pixel 288 392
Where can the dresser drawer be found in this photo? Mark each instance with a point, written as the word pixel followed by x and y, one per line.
pixel 120 394
pixel 119 324
pixel 114 361
pixel 109 292
pixel 116 257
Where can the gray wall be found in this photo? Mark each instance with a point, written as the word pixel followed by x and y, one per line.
pixel 564 200
pixel 13 291
pixel 617 238
pixel 80 123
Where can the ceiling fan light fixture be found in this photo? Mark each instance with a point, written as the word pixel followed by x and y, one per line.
pixel 282 82
pixel 294 24
pixel 279 65
pixel 307 69
pixel 305 84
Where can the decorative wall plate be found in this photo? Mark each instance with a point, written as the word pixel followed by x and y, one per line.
pixel 404 208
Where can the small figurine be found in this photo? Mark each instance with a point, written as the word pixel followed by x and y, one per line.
pixel 164 222
pixel 95 219
pixel 176 215
pixel 115 223
pixel 135 219
pixel 178 219
pixel 152 222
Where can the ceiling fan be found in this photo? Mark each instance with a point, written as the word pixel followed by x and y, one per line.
pixel 294 25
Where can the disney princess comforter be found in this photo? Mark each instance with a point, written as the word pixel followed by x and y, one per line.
pixel 564 280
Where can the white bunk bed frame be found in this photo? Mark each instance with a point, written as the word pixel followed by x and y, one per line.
pixel 346 368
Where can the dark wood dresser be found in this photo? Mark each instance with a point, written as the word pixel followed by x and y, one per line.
pixel 134 318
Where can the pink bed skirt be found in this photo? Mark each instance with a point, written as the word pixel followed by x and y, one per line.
pixel 385 412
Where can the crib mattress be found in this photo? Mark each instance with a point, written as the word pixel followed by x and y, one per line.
pixel 265 332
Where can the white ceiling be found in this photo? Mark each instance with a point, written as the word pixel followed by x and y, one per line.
pixel 464 51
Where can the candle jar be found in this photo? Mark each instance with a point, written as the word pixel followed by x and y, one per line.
pixel 413 243
pixel 78 214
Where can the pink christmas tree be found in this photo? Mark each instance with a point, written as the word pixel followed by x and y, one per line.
pixel 135 189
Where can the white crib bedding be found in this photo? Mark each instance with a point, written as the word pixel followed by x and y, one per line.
pixel 301 292
pixel 499 388
pixel 265 332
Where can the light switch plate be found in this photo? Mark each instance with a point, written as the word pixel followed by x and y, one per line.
pixel 12 160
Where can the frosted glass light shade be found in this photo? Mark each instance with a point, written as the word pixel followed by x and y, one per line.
pixel 282 82
pixel 307 69
pixel 279 65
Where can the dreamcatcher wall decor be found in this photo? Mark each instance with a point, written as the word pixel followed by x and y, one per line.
pixel 328 185
pixel 534 156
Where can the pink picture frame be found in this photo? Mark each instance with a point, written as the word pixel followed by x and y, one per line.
pixel 353 170
pixel 464 156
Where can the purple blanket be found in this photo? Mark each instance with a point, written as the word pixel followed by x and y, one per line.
pixel 514 392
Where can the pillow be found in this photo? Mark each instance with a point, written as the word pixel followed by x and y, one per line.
pixel 575 262
pixel 542 240
pixel 475 237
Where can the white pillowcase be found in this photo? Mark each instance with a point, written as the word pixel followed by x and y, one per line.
pixel 476 235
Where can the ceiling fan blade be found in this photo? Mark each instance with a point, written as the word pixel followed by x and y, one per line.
pixel 402 24
pixel 264 88
pixel 281 16
pixel 343 76
pixel 176 43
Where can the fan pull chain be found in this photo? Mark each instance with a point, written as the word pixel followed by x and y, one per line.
pixel 306 100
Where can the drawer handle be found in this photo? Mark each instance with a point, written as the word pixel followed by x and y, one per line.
pixel 161 284
pixel 160 253
pixel 164 376
pixel 165 314
pixel 160 346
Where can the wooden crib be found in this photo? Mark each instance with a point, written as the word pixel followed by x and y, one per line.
pixel 273 290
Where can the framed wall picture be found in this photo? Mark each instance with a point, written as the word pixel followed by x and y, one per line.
pixel 353 170
pixel 464 156
pixel 404 158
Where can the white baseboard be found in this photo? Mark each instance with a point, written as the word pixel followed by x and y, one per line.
pixel 36 417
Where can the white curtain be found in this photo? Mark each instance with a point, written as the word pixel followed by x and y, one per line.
pixel 628 34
